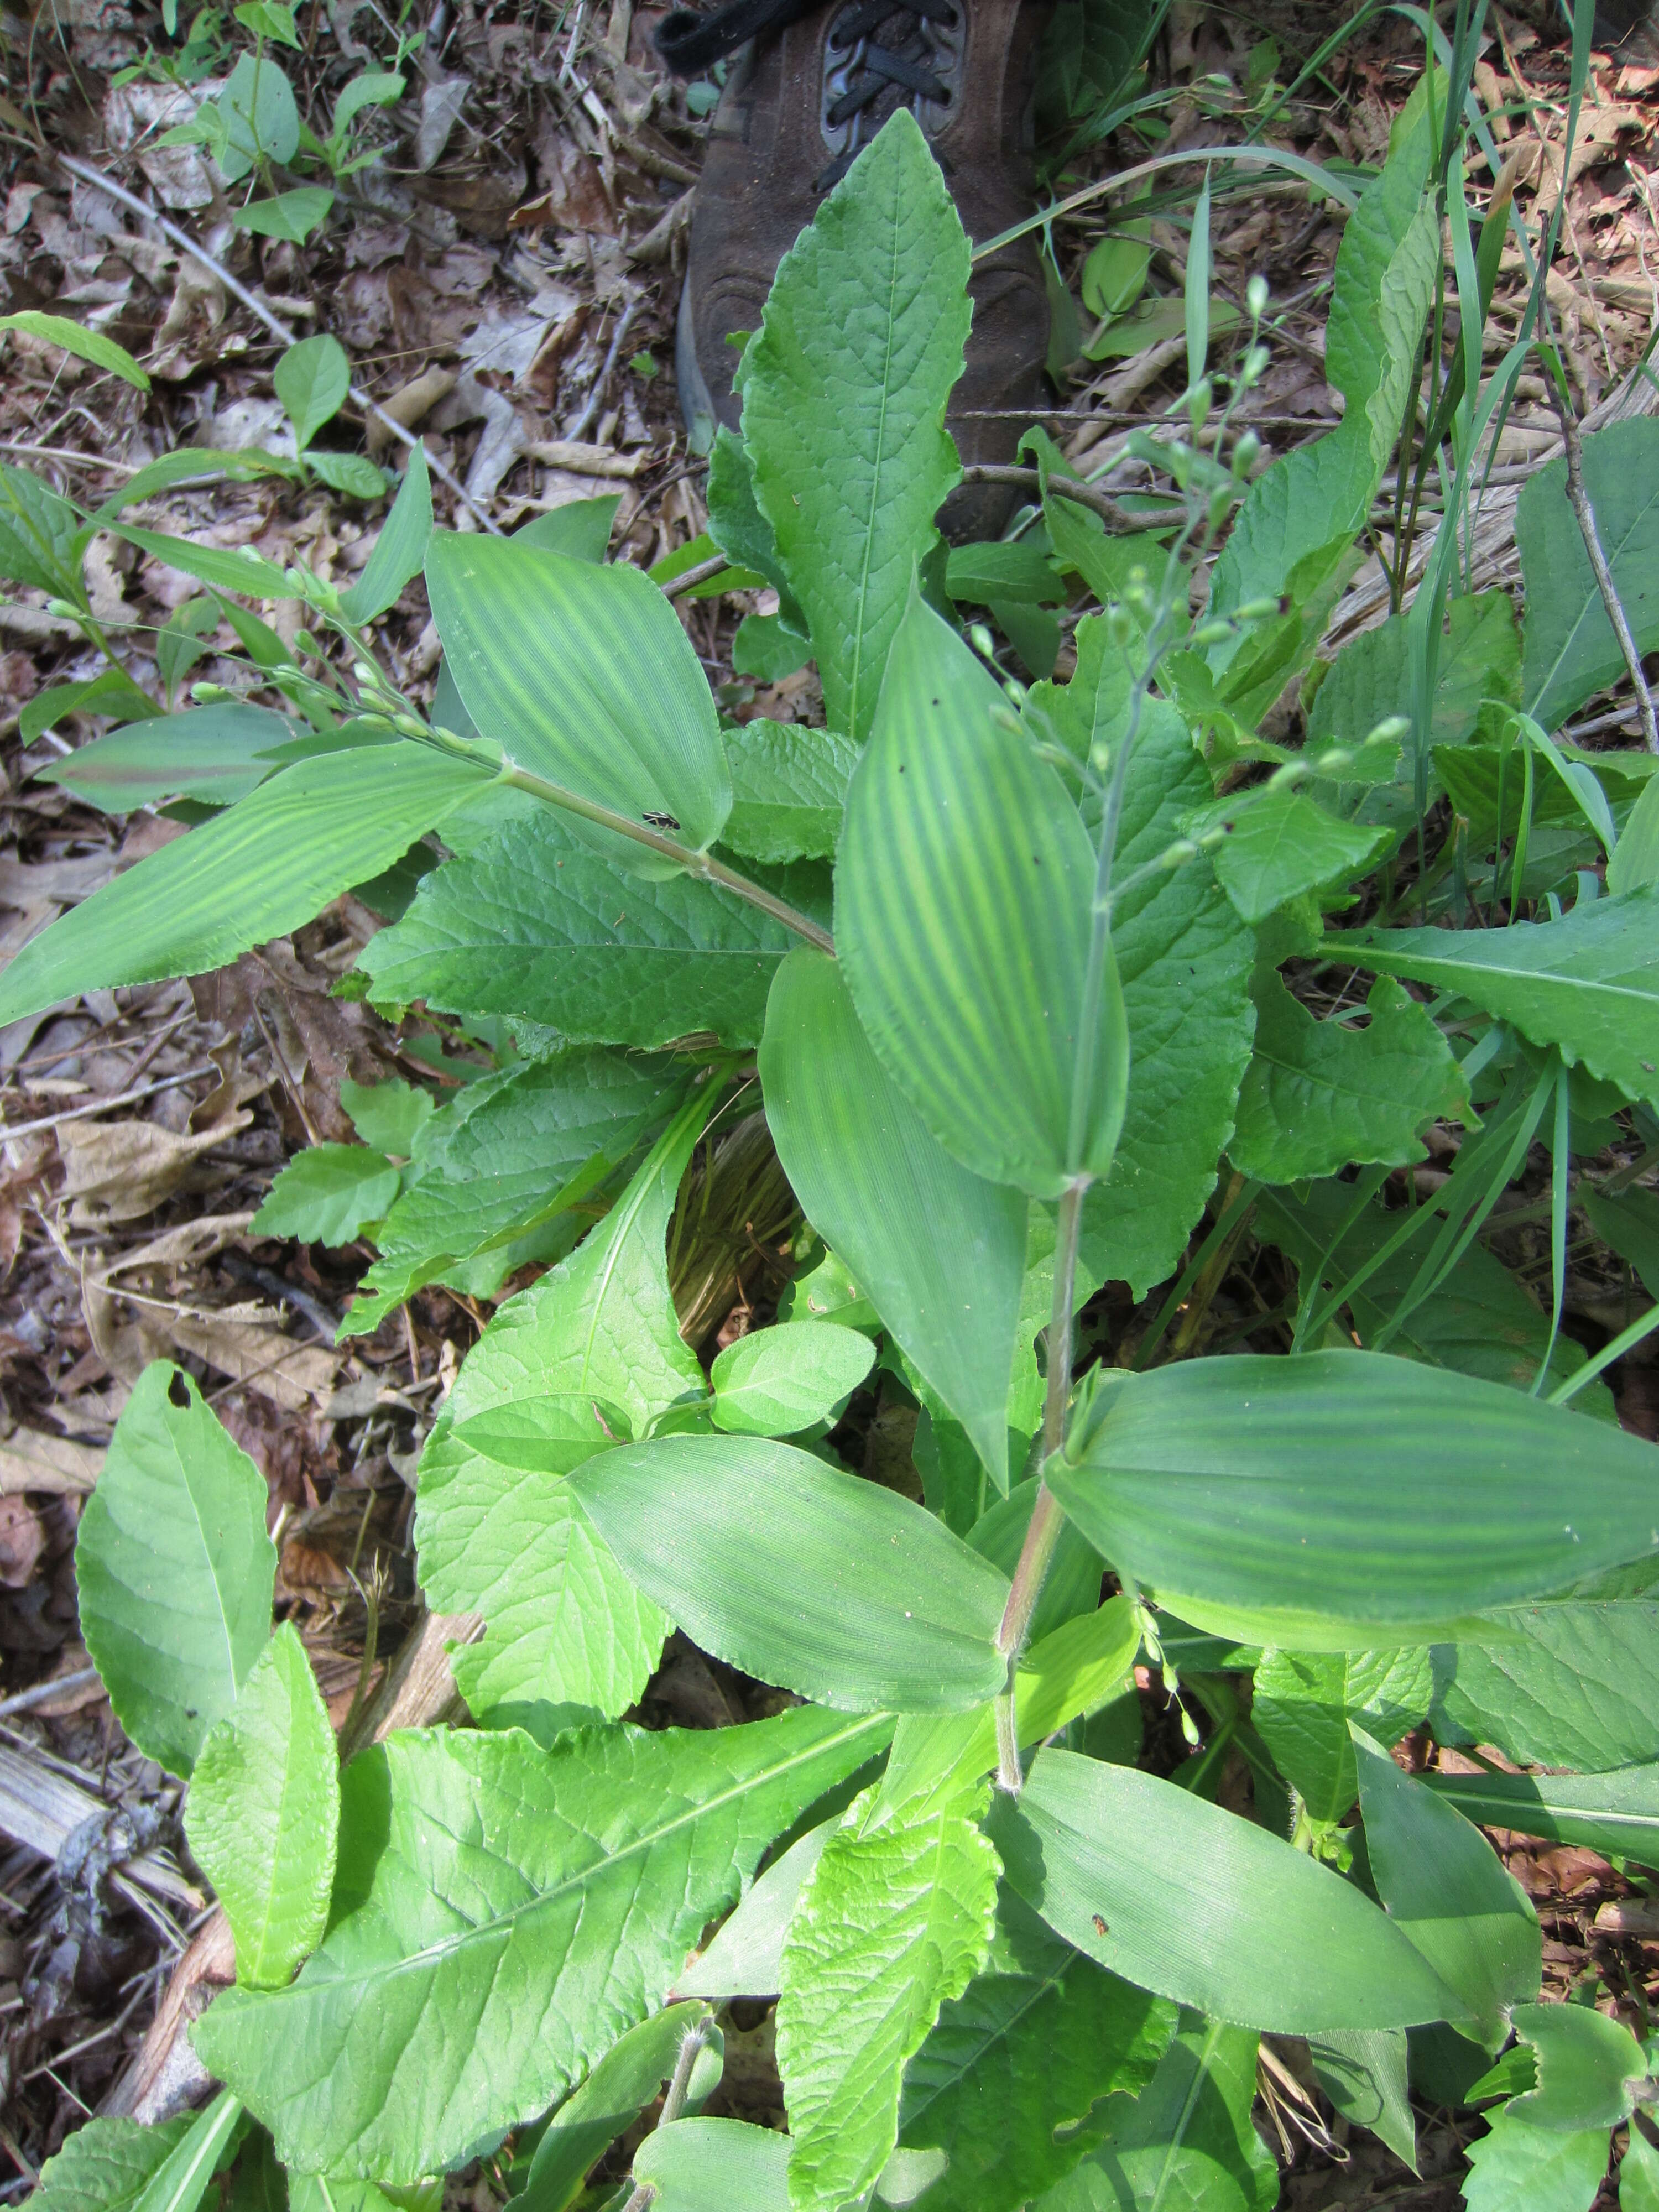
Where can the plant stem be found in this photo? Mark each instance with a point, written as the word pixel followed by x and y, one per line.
pixel 673 2102
pixel 1043 1533
pixel 1579 496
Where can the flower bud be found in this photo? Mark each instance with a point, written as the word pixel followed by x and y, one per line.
pixel 1255 297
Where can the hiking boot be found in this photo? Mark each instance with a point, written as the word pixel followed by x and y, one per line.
pixel 810 89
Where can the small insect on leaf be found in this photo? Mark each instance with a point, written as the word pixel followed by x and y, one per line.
pixel 661 821
pixel 1100 1925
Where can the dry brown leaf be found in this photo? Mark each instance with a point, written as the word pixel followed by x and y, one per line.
pixel 32 1459
pixel 22 1539
pixel 292 1376
pixel 117 1170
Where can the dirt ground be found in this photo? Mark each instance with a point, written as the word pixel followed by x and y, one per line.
pixel 504 280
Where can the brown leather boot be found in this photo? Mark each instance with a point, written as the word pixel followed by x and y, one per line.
pixel 812 85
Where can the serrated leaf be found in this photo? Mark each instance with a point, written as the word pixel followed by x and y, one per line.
pixel 1303 1701
pixel 174 1569
pixel 1589 2069
pixel 696 2165
pixel 400 548
pixel 1515 2168
pixel 890 1926
pixel 609 2100
pixel 963 903
pixel 312 379
pixel 581 672
pixel 531 924
pixel 777 1382
pixel 788 789
pixel 1588 984
pixel 211 753
pixel 253 873
pixel 808 1577
pixel 1187 2143
pixel 1231 1484
pixel 1010 2082
pixel 844 388
pixel 1446 1889
pixel 1318 1095
pixel 263 1812
pixel 1185 959
pixel 75 338
pixel 498 1529
pixel 1196 1904
pixel 329 1194
pixel 939 1251
pixel 106 2166
pixel 1569 648
pixel 546 1899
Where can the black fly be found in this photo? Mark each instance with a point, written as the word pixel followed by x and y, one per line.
pixel 660 821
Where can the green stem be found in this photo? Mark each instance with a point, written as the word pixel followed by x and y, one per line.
pixel 673 2102
pixel 1042 1533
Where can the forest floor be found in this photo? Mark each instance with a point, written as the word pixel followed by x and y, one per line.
pixel 504 280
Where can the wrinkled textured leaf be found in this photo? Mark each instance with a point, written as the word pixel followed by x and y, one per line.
pixel 1341 1488
pixel 531 924
pixel 1319 1094
pixel 939 1252
pixel 1516 2168
pixel 328 1193
pixel 890 1926
pixel 1570 647
pixel 1283 845
pixel 106 2166
pixel 174 1569
pixel 1588 983
pixel 813 1579
pixel 263 1812
pixel 580 671
pixel 1010 2081
pixel 1369 681
pixel 1303 1701
pixel 788 788
pixel 1567 1684
pixel 545 1899
pixel 253 873
pixel 777 1382
pixel 844 388
pixel 962 903
pixel 1204 1907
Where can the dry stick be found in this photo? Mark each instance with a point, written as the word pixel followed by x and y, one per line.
pixel 1578 494
pixel 1082 494
pixel 274 324
pixel 688 579
pixel 104 1105
pixel 591 407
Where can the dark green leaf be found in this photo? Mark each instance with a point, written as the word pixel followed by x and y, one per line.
pixel 38 534
pixel 353 474
pixel 399 551
pixel 1617 1814
pixel 1303 1701
pixel 211 753
pixel 106 2166
pixel 1587 2067
pixel 1365 2075
pixel 824 1584
pixel 788 789
pixel 1571 651
pixel 581 529
pixel 1560 1684
pixel 1516 2168
pixel 312 379
pixel 1020 573
pixel 1369 681
pixel 260 119
pixel 696 2165
pixel 74 337
pixel 1282 845
pixel 329 1195
pixel 290 215
pixel 226 569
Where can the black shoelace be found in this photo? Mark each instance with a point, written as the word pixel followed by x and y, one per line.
pixel 879 72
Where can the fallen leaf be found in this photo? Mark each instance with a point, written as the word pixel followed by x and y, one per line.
pixel 22 1539
pixel 117 1170
pixel 31 1459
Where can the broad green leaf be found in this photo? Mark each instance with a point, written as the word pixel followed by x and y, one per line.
pixel 1072 1586
pixel 389 1115
pixel 312 379
pixel 353 474
pixel 337 2192
pixel 1194 1904
pixel 1588 984
pixel 767 647
pixel 371 89
pixel 1185 960
pixel 1303 1701
pixel 1365 2075
pixel 890 1926
pixel 545 1899
pixel 39 534
pixel 844 388
pixel 1188 2143
pixel 1445 1888
pixel 940 1252
pixel 1634 865
pixel 264 1811
pixel 498 1529
pixel 261 121
pixel 106 2166
pixel 1617 1813
pixel 1283 845
pixel 74 337
pixel 1639 2175
pixel 612 2099
pixel 182 2181
pixel 1561 1685
pixel 1339 1490
pixel 211 753
pixel 516 1150
pixel 1010 2081
pixel 816 1580
pixel 696 2165
pixel 174 1569
pixel 788 788
pixel 1588 2067
pixel 533 923
pixel 290 215
pixel 1319 1094
pixel 746 1956
pixel 111 692
pixel 399 553
pixel 582 673
pixel 1516 2168
pixel 254 872
pixel 1570 647
pixel 581 529
pixel 1629 1221
pixel 1370 680
pixel 779 1381
pixel 738 528
pixel 329 1194
pixel 226 569
pixel 963 904
pixel 1020 573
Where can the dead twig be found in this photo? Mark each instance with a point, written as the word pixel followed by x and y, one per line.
pixel 1117 518
pixel 1579 499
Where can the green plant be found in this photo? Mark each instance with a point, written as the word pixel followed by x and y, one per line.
pixel 1021 971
